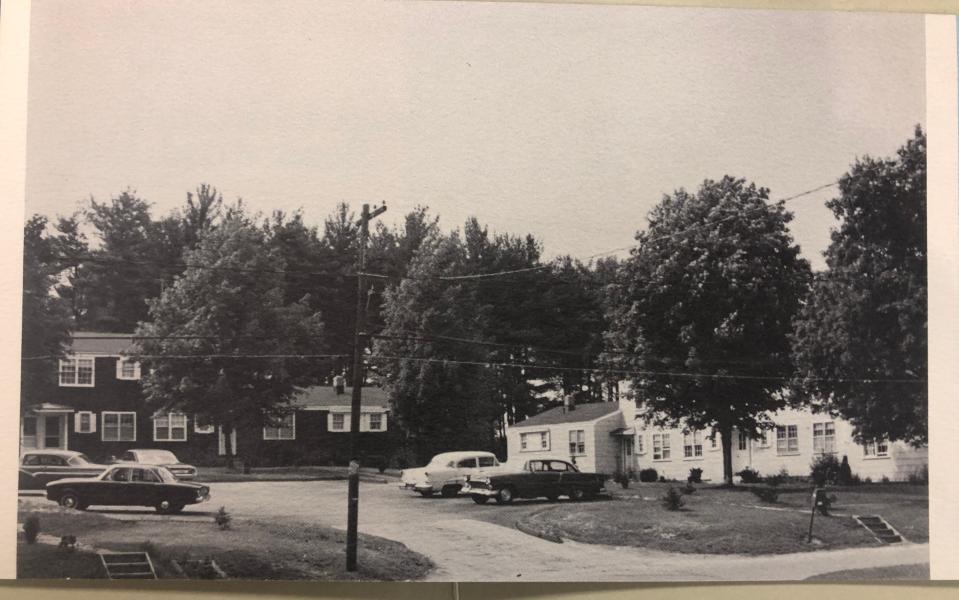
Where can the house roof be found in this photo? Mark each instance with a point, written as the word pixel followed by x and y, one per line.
pixel 324 397
pixel 103 344
pixel 581 413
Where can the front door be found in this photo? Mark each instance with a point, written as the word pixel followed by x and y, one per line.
pixel 51 432
pixel 628 463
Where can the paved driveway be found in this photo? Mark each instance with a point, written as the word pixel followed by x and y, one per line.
pixel 459 537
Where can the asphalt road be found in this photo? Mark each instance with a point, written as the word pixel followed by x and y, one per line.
pixel 469 542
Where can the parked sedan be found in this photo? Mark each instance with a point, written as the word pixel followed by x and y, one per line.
pixel 446 473
pixel 161 458
pixel 40 467
pixel 534 478
pixel 129 485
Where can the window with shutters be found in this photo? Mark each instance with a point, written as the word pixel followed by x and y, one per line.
pixel 85 422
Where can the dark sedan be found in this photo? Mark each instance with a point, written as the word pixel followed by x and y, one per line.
pixel 534 478
pixel 40 467
pixel 129 485
pixel 160 458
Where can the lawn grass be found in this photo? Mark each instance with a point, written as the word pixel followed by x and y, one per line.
pixel 250 549
pixel 45 561
pixel 718 520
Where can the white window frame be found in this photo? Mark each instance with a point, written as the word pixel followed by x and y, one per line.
pixel 577 447
pixel 345 425
pixel 370 422
pixel 743 440
pixel 75 359
pixel 824 440
pixel 202 429
pixel 91 423
pixel 169 426
pixel 662 450
pixel 118 414
pixel 121 362
pixel 692 446
pixel 714 442
pixel 788 443
pixel 528 439
pixel 871 449
pixel 276 434
pixel 640 446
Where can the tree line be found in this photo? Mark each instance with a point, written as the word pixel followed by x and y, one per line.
pixel 715 319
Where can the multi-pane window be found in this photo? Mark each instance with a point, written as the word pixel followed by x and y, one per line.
pixel 577 442
pixel 661 449
pixel 338 422
pixel 285 429
pixel 128 369
pixel 76 371
pixel 692 445
pixel 743 440
pixel 169 427
pixel 787 439
pixel 876 449
pixel 85 422
pixel 640 447
pixel 376 421
pixel 535 441
pixel 824 438
pixel 119 427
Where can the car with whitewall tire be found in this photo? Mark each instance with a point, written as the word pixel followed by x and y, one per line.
pixel 447 472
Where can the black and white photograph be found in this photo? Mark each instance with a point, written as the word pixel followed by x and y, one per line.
pixel 473 291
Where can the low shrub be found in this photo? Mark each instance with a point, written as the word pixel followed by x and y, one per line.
pixel 778 478
pixel 673 499
pixel 824 503
pixel 768 494
pixel 867 480
pixel 824 470
pixel 31 528
pixel 648 475
pixel 920 476
pixel 695 475
pixel 884 479
pixel 622 479
pixel 222 518
pixel 689 488
pixel 662 479
pixel 844 477
pixel 749 475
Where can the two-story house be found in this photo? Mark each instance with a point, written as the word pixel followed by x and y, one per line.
pixel 98 408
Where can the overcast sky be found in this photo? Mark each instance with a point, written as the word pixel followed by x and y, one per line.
pixel 566 121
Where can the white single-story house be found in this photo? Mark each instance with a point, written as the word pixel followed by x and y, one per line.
pixel 607 437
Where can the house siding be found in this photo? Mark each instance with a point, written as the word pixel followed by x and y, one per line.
pixel 601 448
pixel 313 444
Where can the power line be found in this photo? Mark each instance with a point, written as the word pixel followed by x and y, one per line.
pixel 678 374
pixel 192 356
pixel 481 276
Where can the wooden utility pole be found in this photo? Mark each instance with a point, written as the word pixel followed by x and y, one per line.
pixel 359 336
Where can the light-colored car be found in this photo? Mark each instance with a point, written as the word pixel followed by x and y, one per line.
pixel 446 473
pixel 160 458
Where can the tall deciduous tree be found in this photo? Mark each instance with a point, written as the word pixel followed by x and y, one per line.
pixel 440 402
pixel 861 342
pixel 229 311
pixel 705 304
pixel 46 316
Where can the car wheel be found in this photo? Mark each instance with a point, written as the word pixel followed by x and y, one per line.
pixel 70 500
pixel 504 496
pixel 450 491
pixel 479 499
pixel 165 507
pixel 176 508
pixel 427 493
pixel 576 494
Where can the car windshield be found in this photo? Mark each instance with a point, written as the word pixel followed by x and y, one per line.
pixel 156 457
pixel 80 460
pixel 165 475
